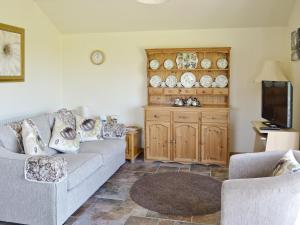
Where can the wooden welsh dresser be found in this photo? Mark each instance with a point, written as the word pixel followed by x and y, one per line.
pixel 187 134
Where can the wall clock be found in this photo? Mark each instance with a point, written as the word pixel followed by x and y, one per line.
pixel 97 57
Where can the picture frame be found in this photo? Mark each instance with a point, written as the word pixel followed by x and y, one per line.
pixel 12 53
pixel 295 45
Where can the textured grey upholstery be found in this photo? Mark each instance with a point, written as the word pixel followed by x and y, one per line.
pixel 104 147
pixel 81 166
pixel 252 197
pixel 31 203
pixel 8 139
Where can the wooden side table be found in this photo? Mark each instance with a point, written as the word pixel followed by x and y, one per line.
pixel 133 144
pixel 272 140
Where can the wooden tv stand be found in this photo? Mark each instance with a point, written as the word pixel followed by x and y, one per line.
pixel 274 140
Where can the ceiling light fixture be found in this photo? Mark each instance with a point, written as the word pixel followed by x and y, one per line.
pixel 152 2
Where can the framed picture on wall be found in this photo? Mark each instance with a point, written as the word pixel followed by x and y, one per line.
pixel 295 45
pixel 11 53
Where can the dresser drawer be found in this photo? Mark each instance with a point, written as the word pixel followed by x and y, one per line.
pixel 186 117
pixel 155 115
pixel 187 91
pixel 155 91
pixel 204 91
pixel 221 91
pixel 214 117
pixel 171 91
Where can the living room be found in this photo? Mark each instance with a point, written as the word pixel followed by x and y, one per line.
pixel 99 58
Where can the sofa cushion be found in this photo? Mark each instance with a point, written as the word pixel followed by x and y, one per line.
pixel 43 125
pixel 287 165
pixel 64 137
pixel 8 139
pixel 109 149
pixel 32 141
pixel 81 166
pixel 89 129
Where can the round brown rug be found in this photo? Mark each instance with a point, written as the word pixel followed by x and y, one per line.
pixel 181 194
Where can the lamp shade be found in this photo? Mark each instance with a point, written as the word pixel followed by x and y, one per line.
pixel 271 71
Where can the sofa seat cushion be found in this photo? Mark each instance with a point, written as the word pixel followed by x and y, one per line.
pixel 81 166
pixel 109 149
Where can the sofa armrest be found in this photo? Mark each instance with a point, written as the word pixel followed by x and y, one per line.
pixel 252 165
pixel 22 201
pixel 264 201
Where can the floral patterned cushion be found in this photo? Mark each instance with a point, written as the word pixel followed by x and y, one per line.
pixel 66 116
pixel 16 128
pixel 64 137
pixel 45 169
pixel 287 165
pixel 88 129
pixel 114 130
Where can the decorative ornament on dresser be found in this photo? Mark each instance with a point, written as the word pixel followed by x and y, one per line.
pixel 97 57
pixel 11 53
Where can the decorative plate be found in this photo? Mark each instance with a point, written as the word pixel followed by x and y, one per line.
pixel 171 81
pixel 188 80
pixel 186 60
pixel 222 63
pixel 154 64
pixel 168 64
pixel 206 81
pixel 206 63
pixel 155 81
pixel 221 81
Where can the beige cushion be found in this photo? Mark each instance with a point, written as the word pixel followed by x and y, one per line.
pixel 64 138
pixel 32 141
pixel 88 129
pixel 287 165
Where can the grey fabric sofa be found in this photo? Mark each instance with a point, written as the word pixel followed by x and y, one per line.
pixel 252 197
pixel 26 202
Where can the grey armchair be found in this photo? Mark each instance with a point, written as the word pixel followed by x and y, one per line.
pixel 252 197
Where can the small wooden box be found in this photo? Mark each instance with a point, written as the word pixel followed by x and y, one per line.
pixel 133 144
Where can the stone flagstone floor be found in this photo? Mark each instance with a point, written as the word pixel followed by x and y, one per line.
pixel 111 204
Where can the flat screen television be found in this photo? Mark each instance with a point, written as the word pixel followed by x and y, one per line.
pixel 277 103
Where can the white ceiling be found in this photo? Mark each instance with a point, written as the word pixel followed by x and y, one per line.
pixel 90 16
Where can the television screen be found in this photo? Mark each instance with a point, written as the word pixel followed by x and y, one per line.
pixel 277 98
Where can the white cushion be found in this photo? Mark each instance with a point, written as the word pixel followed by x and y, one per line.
pixel 287 165
pixel 64 137
pixel 32 142
pixel 88 129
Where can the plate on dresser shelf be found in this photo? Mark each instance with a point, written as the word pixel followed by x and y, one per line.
pixel 155 81
pixel 222 63
pixel 168 64
pixel 206 63
pixel 154 64
pixel 188 80
pixel 221 81
pixel 171 81
pixel 206 81
pixel 186 60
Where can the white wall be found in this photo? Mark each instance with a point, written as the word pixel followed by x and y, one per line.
pixel 41 90
pixel 119 85
pixel 294 23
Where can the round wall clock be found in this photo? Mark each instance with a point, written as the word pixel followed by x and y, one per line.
pixel 97 57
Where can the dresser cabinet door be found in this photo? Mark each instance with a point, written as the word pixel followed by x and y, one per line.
pixel 214 144
pixel 158 140
pixel 186 142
